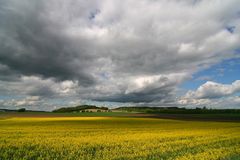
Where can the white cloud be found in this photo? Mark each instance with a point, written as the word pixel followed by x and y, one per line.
pixel 214 90
pixel 28 101
pixel 38 87
pixel 213 94
pixel 22 102
pixel 223 102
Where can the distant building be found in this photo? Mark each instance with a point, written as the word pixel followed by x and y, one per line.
pixel 95 110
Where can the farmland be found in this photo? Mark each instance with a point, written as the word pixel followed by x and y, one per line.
pixel 117 138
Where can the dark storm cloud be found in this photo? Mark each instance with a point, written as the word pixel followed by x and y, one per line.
pixel 156 94
pixel 30 45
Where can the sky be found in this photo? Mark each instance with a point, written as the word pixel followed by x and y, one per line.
pixel 159 53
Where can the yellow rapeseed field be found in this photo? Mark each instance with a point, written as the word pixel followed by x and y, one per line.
pixel 117 138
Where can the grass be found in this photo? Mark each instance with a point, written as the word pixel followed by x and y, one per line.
pixel 117 138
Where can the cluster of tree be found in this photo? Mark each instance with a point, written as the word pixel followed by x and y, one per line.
pixel 21 110
pixel 81 108
pixel 176 110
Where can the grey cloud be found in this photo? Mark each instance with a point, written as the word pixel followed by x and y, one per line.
pixel 30 45
pixel 148 89
pixel 146 95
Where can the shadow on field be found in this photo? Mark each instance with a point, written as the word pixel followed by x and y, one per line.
pixel 193 117
pixel 186 117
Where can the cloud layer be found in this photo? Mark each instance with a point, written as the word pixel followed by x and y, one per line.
pixel 119 51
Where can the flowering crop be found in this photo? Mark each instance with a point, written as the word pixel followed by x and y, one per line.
pixel 117 138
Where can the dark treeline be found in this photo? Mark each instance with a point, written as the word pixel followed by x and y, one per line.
pixel 176 110
pixel 164 110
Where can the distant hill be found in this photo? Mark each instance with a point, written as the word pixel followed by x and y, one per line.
pixel 7 110
pixel 79 108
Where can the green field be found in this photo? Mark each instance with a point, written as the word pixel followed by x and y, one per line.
pixel 117 138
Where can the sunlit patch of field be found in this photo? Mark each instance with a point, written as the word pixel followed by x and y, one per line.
pixel 117 138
